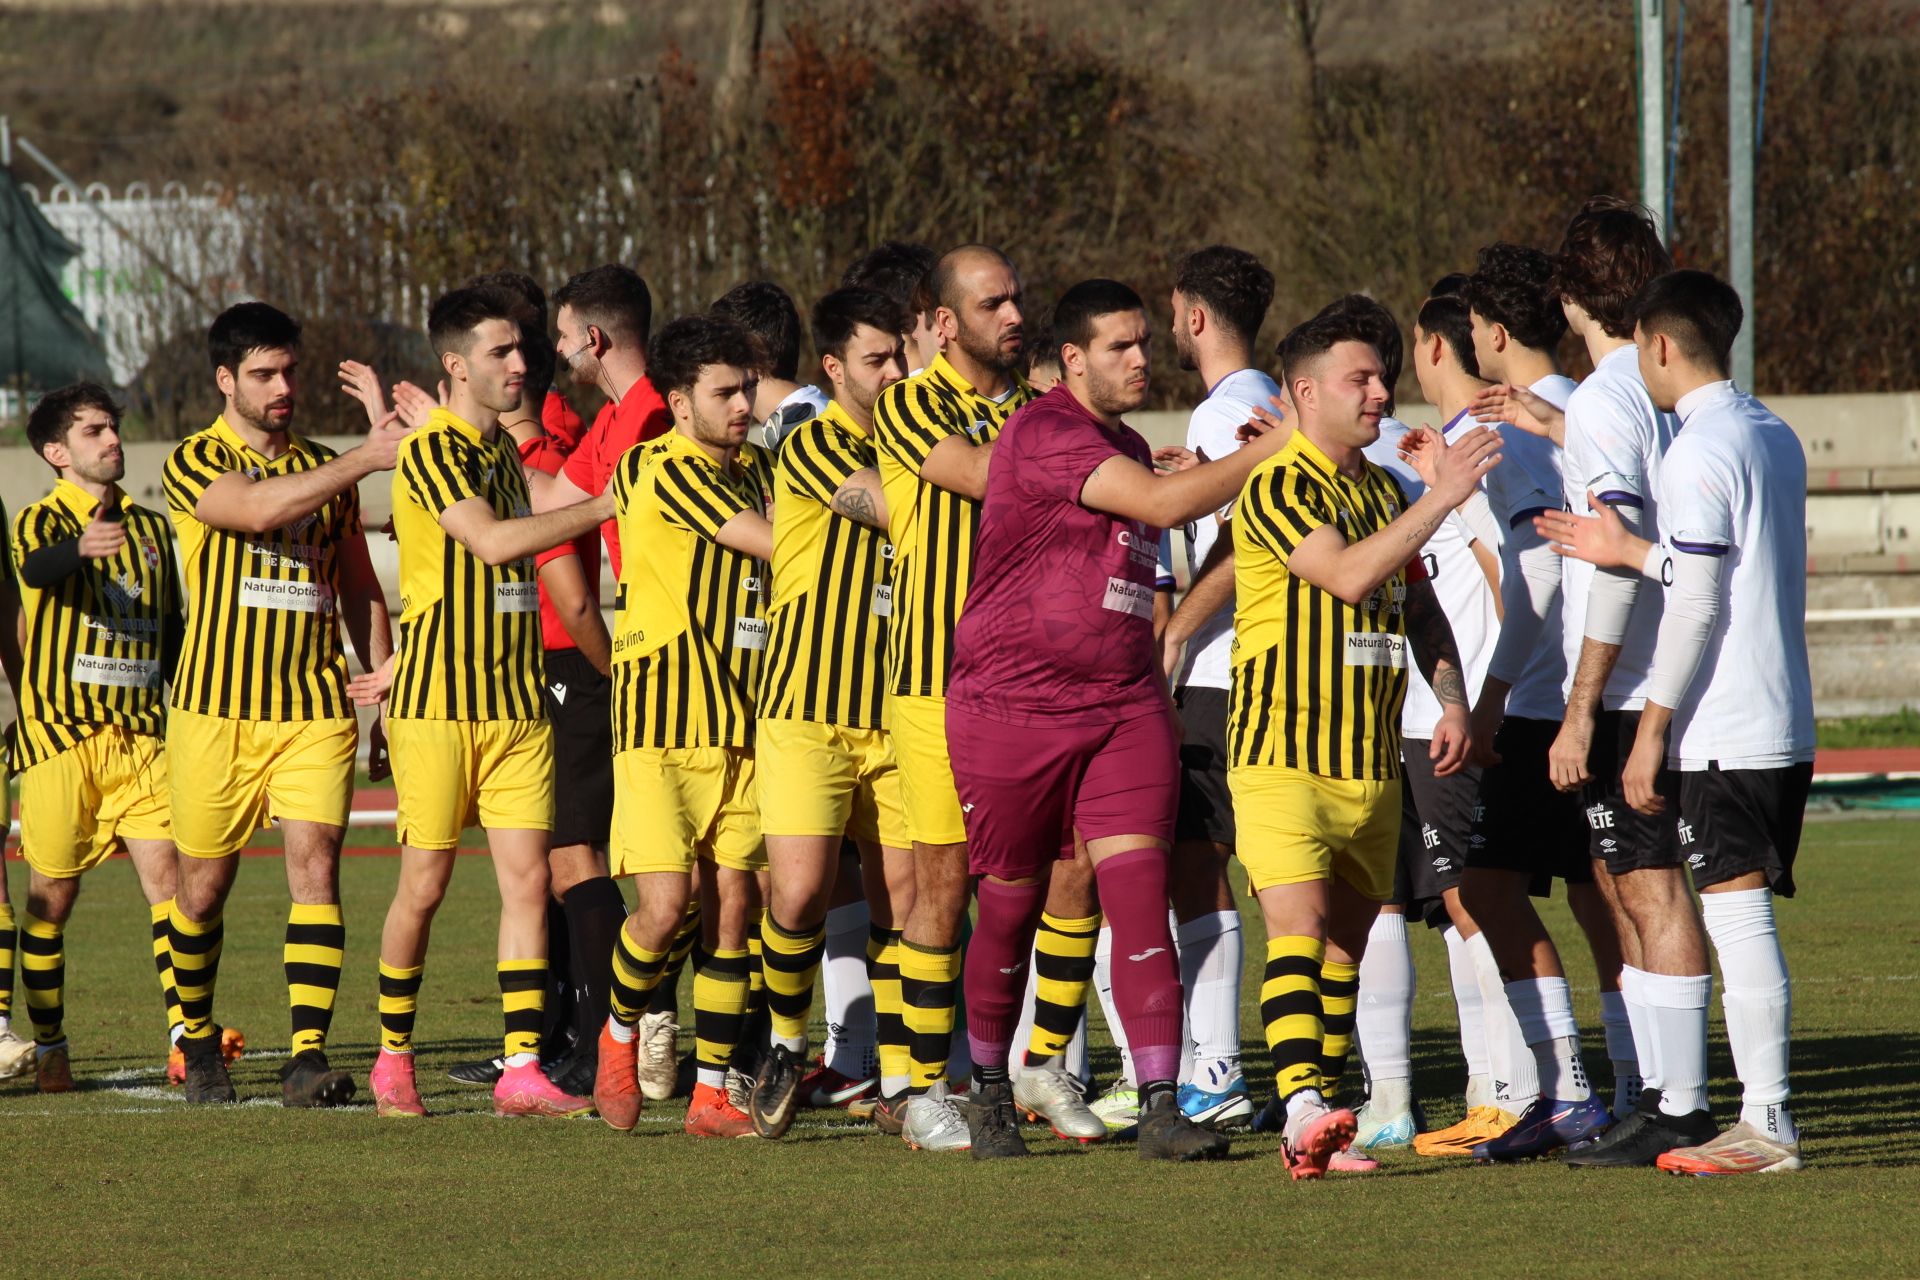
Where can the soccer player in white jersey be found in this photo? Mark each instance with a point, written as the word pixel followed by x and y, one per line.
pixel 781 403
pixel 1220 300
pixel 1730 699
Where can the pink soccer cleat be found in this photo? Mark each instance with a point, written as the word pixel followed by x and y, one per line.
pixel 526 1091
pixel 394 1094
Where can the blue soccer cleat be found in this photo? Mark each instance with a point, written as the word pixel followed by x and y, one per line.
pixel 1546 1126
pixel 1218 1109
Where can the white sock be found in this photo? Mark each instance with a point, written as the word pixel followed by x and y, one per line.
pixel 621 1033
pixel 1212 956
pixel 712 1077
pixel 6 1025
pixel 1620 1052
pixel 851 1028
pixel 1103 987
pixel 1473 1026
pixel 1023 1029
pixel 1677 1019
pixel 1758 1002
pixel 1383 1020
pixel 1302 1100
pixel 1640 1022
pixel 521 1060
pixel 1544 1009
pixel 1516 1080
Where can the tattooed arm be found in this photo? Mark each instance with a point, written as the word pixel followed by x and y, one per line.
pixel 1439 657
pixel 861 499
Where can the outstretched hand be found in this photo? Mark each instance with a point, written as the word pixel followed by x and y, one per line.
pixel 1532 413
pixel 1172 457
pixel 413 405
pixel 361 383
pixel 1602 538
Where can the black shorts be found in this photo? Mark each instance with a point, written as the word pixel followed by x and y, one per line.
pixel 1436 831
pixel 1617 834
pixel 579 702
pixel 1524 823
pixel 1206 806
pixel 1736 821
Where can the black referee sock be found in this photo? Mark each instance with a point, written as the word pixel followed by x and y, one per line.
pixel 595 911
pixel 557 1015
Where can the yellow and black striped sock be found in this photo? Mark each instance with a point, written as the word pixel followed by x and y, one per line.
pixel 315 948
pixel 196 965
pixel 523 998
pixel 1062 972
pixel 1339 1001
pixel 1290 1008
pixel 43 972
pixel 719 1013
pixel 666 993
pixel 890 1027
pixel 637 972
pixel 163 964
pixel 9 942
pixel 790 963
pixel 928 976
pixel 399 1000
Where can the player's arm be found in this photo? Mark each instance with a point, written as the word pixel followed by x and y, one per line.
pixel 557 491
pixel 959 465
pixel 1505 402
pixel 363 605
pixel 236 502
pixel 860 498
pixel 565 581
pixel 1210 591
pixel 1122 487
pixel 10 621
pixel 472 523
pixel 1489 564
pixel 1434 648
pixel 749 533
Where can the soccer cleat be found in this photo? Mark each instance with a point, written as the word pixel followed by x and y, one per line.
pixel 739 1088
pixel 1313 1136
pixel 776 1094
pixel 993 1130
pixel 1643 1137
pixel 526 1091
pixel 207 1080
pixel 1741 1149
pixel 889 1113
pixel 575 1073
pixel 308 1080
pixel 1219 1110
pixel 1167 1132
pixel 1057 1097
pixel 824 1087
pixel 1545 1127
pixel 1459 1139
pixel 233 1046
pixel 658 1070
pixel 486 1074
pixel 1382 1132
pixel 394 1094
pixel 16 1054
pixel 1352 1161
pixel 933 1121
pixel 616 1092
pixel 53 1070
pixel 712 1114
pixel 1118 1108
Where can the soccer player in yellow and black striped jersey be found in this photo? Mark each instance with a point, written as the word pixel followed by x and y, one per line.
pixel 100 604
pixel 469 733
pixel 689 633
pixel 1330 590
pixel 269 530
pixel 827 770
pixel 16 1052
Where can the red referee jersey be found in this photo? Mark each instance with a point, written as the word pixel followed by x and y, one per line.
pixel 546 454
pixel 641 415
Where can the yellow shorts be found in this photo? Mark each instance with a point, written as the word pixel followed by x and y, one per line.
pixel 245 771
pixel 918 727
pixel 673 805
pixel 825 780
pixel 1293 827
pixel 76 808
pixel 449 775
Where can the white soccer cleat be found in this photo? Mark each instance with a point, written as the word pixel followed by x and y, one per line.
pixel 935 1121
pixel 1057 1097
pixel 658 1067
pixel 16 1055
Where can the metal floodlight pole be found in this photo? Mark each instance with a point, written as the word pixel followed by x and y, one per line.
pixel 1650 39
pixel 1740 177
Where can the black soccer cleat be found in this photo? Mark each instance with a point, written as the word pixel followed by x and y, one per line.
pixel 485 1074
pixel 991 1123
pixel 307 1080
pixel 1643 1137
pixel 1167 1134
pixel 776 1092
pixel 207 1079
pixel 576 1073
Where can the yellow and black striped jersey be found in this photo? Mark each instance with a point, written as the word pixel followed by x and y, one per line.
pixel 932 529
pixel 826 647
pixel 469 642
pixel 690 617
pixel 1317 682
pixel 263 636
pixel 96 641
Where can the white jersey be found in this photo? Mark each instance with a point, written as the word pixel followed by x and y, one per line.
pixel 1615 440
pixel 1211 430
pixel 1459 583
pixel 1526 484
pixel 1734 484
pixel 799 408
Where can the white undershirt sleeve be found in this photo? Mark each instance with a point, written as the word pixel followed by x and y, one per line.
pixel 1692 610
pixel 1610 598
pixel 1477 512
pixel 1529 585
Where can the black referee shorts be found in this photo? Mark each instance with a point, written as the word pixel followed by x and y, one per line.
pixel 1206 806
pixel 579 702
pixel 1737 821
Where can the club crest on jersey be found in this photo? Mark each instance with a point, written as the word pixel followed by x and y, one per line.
pixel 150 550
